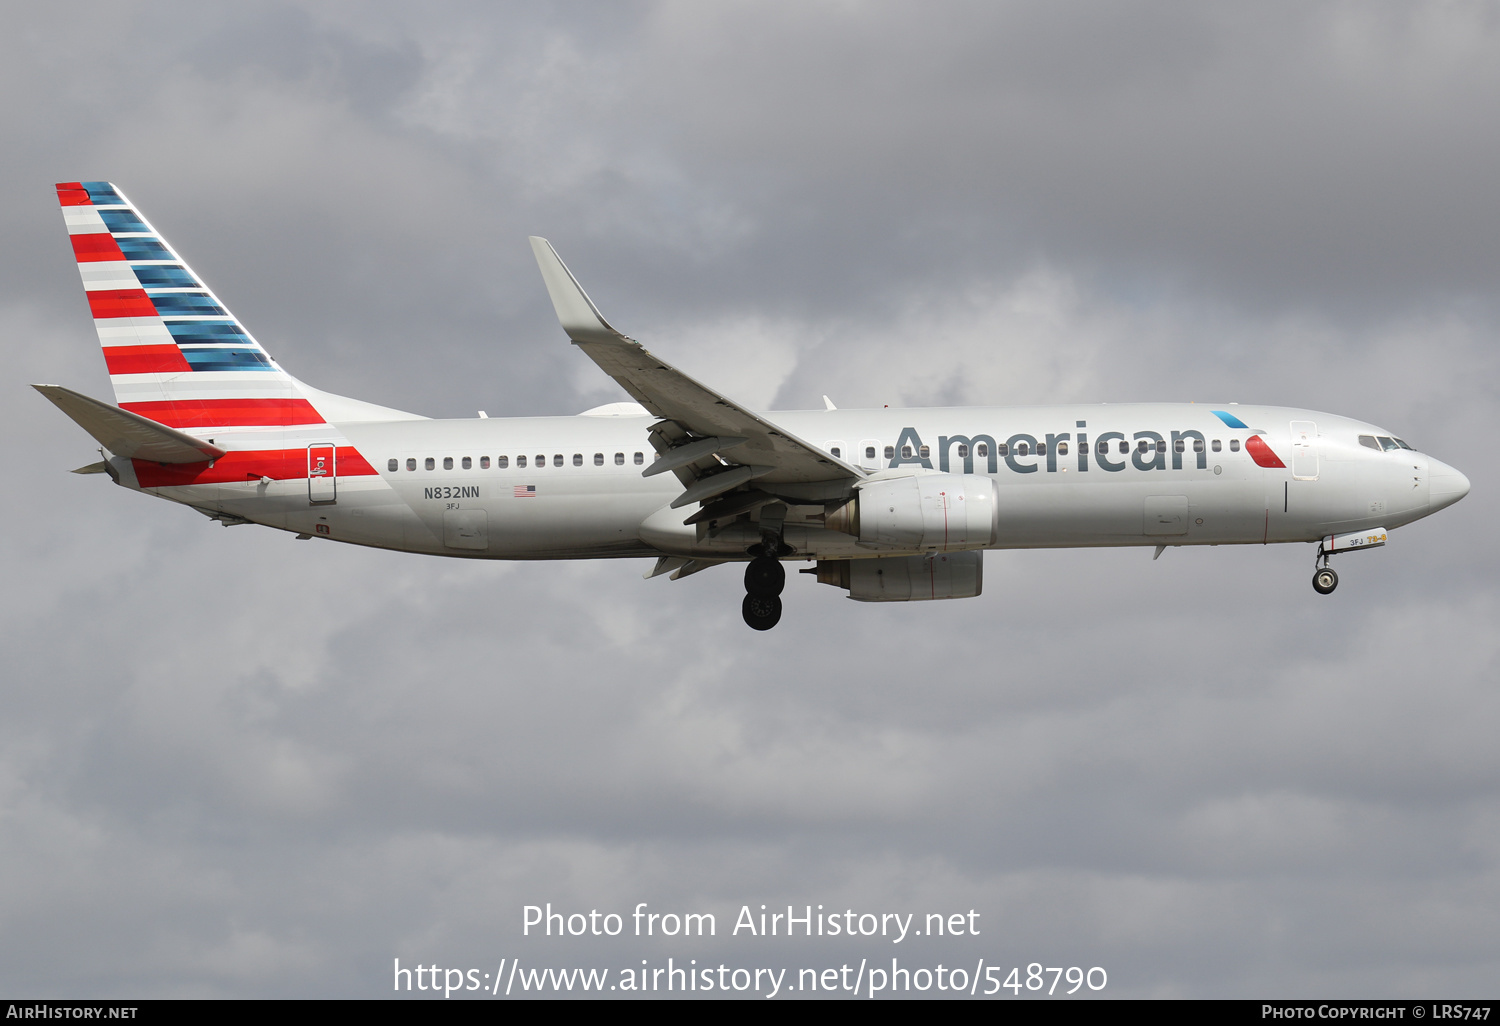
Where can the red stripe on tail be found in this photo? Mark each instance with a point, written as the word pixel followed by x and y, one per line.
pixel 72 194
pixel 200 413
pixel 121 303
pixel 158 359
pixel 96 246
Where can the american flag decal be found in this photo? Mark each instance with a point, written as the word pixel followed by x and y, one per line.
pixel 525 491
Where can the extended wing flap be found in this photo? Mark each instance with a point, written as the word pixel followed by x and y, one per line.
pixel 129 434
pixel 669 393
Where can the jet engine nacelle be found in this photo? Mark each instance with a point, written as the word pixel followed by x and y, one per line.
pixel 925 511
pixel 941 575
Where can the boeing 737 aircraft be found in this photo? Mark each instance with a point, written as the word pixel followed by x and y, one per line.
pixel 891 505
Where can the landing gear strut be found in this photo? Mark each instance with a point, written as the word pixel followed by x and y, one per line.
pixel 764 579
pixel 1324 579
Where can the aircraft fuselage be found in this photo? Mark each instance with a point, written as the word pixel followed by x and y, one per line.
pixel 571 487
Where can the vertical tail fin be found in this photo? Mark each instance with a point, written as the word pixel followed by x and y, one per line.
pixel 175 353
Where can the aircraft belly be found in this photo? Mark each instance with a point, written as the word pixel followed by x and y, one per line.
pixel 1160 510
pixel 517 522
pixel 1073 514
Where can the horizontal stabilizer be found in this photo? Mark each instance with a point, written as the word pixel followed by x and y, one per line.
pixel 129 434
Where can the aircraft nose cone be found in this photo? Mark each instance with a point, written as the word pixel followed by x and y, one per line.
pixel 1447 486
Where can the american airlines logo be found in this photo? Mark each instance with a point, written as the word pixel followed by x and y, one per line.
pixel 1110 451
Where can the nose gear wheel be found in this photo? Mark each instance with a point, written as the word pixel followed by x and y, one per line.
pixel 1325 580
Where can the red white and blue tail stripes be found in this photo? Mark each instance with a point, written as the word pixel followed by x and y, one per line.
pixel 174 352
pixel 178 356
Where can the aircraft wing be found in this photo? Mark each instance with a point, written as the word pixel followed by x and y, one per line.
pixel 129 434
pixel 712 425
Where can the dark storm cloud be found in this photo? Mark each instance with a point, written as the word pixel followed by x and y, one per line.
pixel 1300 156
pixel 233 763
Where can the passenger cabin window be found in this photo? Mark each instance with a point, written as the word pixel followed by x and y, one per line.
pixel 1179 446
pixel 468 464
pixel 1023 448
pixel 1234 445
pixel 1368 441
pixel 411 464
pixel 1124 447
pixel 578 459
pixel 890 452
pixel 557 459
pixel 598 459
pixel 430 463
pixel 836 453
pixel 869 452
pixel 1197 445
pixel 982 450
pixel 639 459
pixel 392 465
pixel 1218 445
pixel 906 452
pixel 619 459
pixel 1103 448
pixel 1041 448
pixel 926 452
pixel 484 463
pixel 447 462
pixel 1062 448
pixel 1143 445
pixel 503 462
pixel 541 459
pixel 520 461
pixel 1388 444
pixel 963 451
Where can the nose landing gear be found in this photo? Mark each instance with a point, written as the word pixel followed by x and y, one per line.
pixel 1325 580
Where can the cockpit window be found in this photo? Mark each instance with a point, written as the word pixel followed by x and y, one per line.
pixel 1388 444
pixel 1403 445
pixel 1368 441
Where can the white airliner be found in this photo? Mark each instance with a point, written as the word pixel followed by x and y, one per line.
pixel 892 505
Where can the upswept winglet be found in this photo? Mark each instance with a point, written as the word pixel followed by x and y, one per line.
pixel 579 317
pixel 775 456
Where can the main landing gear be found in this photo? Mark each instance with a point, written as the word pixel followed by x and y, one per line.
pixel 764 575
pixel 764 579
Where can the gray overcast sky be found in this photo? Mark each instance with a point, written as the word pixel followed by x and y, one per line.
pixel 235 764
